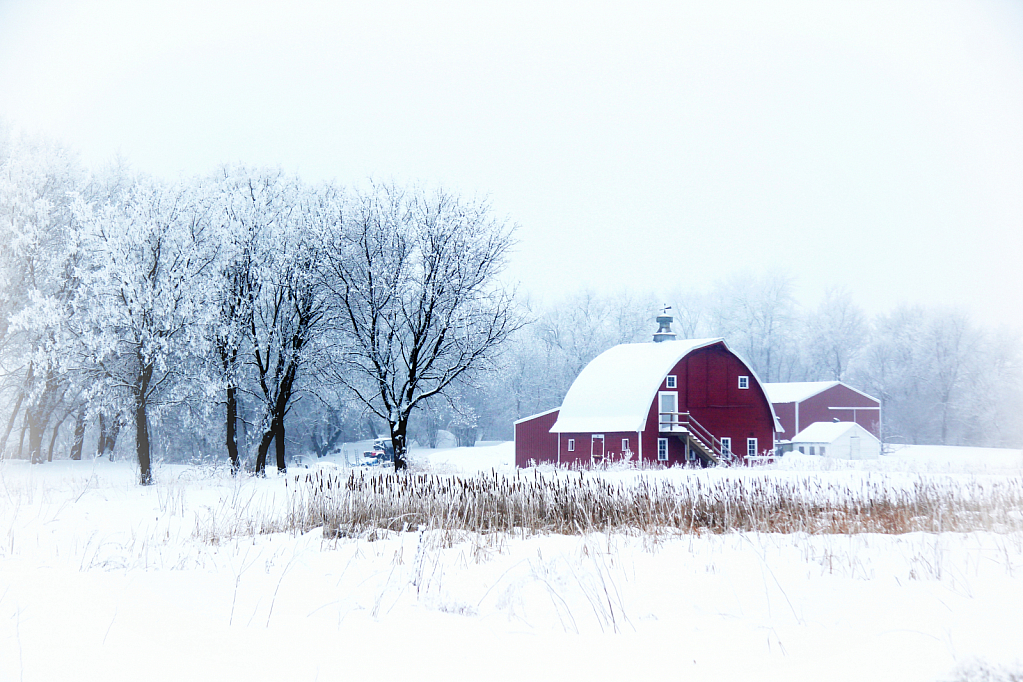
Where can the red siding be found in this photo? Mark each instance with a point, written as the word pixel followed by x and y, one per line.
pixel 534 440
pixel 584 445
pixel 708 388
pixel 787 417
pixel 713 397
pixel 817 409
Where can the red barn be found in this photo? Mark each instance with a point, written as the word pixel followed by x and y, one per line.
pixel 671 402
pixel 802 403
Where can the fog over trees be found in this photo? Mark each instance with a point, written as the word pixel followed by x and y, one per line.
pixel 220 316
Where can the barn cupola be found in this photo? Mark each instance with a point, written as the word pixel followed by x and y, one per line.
pixel 664 332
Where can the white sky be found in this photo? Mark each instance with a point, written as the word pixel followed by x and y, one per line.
pixel 872 145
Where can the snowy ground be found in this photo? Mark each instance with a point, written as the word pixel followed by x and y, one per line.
pixel 103 579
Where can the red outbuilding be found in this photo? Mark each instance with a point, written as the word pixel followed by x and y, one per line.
pixel 673 402
pixel 802 403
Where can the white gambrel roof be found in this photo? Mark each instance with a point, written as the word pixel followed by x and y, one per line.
pixel 798 391
pixel 615 391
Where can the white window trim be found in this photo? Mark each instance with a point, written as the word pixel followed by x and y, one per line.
pixel 664 442
pixel 671 381
pixel 625 445
pixel 571 444
pixel 744 382
pixel 751 447
pixel 726 444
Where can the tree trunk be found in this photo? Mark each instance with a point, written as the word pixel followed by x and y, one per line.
pixel 232 425
pixel 76 447
pixel 53 438
pixel 142 443
pixel 264 447
pixel 101 442
pixel 21 441
pixel 279 440
pixel 112 433
pixel 10 423
pixel 228 357
pixel 35 434
pixel 142 423
pixel 398 441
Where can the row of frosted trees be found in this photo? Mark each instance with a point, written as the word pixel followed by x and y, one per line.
pixel 132 303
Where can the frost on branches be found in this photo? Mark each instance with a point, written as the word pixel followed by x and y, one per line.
pixel 411 279
pixel 142 303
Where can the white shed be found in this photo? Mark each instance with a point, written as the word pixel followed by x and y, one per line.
pixel 841 440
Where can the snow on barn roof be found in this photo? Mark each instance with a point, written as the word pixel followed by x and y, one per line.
pixel 827 432
pixel 614 392
pixel 796 391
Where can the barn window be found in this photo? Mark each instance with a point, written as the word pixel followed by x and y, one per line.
pixel 571 444
pixel 662 449
pixel 726 445
pixel 751 447
pixel 744 382
pixel 671 381
pixel 692 455
pixel 625 444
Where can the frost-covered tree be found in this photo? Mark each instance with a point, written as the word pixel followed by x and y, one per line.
pixel 248 203
pixel 579 328
pixel 835 333
pixel 37 281
pixel 756 315
pixel 143 305
pixel 287 300
pixel 412 281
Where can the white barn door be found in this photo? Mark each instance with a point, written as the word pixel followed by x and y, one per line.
pixel 668 408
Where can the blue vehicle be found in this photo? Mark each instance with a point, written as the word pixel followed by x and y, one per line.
pixel 383 450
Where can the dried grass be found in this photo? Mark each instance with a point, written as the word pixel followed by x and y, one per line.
pixel 359 503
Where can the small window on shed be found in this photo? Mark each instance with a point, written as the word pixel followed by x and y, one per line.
pixel 813 450
pixel 571 444
pixel 671 381
pixel 662 449
pixel 744 382
pixel 822 451
pixel 625 444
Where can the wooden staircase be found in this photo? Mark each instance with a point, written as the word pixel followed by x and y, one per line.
pixel 692 432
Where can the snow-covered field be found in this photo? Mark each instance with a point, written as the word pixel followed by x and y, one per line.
pixel 103 579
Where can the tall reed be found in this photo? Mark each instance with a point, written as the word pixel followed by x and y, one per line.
pixel 575 503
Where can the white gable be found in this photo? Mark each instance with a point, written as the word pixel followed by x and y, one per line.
pixel 615 391
pixel 828 432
